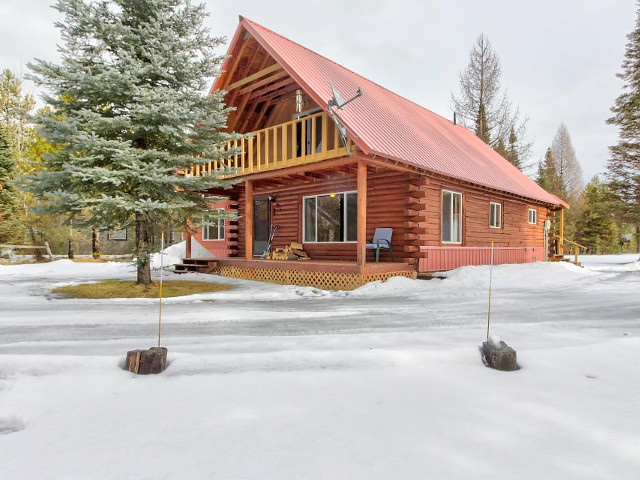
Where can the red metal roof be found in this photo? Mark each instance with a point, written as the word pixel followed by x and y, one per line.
pixel 386 124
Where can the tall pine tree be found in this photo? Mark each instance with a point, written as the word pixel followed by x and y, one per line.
pixel 548 177
pixel 11 230
pixel 623 167
pixel 127 112
pixel 595 227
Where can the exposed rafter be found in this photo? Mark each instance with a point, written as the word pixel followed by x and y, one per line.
pixel 265 71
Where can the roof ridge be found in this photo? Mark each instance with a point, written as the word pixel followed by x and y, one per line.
pixel 345 68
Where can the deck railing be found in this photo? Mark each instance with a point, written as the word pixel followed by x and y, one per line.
pixel 305 140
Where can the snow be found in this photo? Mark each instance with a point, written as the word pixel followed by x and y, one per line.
pixel 277 382
pixel 172 255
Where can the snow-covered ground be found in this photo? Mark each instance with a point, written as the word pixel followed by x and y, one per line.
pixel 282 382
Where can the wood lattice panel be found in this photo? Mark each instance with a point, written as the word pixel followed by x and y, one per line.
pixel 324 280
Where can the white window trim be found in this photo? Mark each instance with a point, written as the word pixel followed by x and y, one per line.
pixel 344 206
pixel 498 217
pixel 535 216
pixel 224 225
pixel 461 212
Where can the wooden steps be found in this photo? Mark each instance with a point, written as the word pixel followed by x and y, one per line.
pixel 562 258
pixel 195 265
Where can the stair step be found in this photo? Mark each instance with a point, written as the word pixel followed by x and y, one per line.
pixel 195 265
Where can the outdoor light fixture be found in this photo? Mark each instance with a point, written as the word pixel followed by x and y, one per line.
pixel 299 101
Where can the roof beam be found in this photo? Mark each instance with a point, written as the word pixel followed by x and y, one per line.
pixel 262 73
pixel 261 83
pixel 271 88
pixel 235 59
pixel 276 95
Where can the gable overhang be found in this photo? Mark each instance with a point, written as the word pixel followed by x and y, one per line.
pixel 246 27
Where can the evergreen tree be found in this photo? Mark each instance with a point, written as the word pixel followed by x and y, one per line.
pixel 10 208
pixel 548 177
pixel 595 226
pixel 127 112
pixel 623 167
pixel 512 153
pixel 15 108
pixel 484 107
pixel 482 129
pixel 501 149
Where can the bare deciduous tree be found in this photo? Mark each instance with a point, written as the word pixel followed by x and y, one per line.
pixel 483 104
pixel 566 164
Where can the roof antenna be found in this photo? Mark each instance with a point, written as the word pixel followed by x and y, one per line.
pixel 338 102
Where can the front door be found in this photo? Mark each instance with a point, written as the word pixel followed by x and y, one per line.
pixel 261 224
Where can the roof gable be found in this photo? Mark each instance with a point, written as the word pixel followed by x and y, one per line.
pixel 385 124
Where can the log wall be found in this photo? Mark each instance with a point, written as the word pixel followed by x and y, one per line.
pixel 387 200
pixel 514 232
pixel 407 202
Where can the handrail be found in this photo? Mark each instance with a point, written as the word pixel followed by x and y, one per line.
pixel 305 140
pixel 576 248
pixel 572 242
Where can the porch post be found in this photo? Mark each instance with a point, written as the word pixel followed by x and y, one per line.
pixel 361 256
pixel 248 221
pixel 187 239
pixel 561 239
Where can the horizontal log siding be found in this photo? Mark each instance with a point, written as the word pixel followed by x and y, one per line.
pixel 515 230
pixel 386 202
pixel 220 248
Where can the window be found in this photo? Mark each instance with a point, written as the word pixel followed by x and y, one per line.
pixel 451 217
pixel 533 216
pixel 213 229
pixel 118 235
pixel 330 218
pixel 495 215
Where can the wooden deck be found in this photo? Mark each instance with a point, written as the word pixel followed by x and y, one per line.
pixel 334 266
pixel 326 274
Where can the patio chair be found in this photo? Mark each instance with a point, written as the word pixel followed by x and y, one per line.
pixel 381 241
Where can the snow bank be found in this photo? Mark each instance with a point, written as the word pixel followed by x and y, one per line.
pixel 517 276
pixel 66 269
pixel 172 255
pixel 629 262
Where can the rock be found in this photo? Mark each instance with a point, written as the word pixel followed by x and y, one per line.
pixel 143 362
pixel 501 357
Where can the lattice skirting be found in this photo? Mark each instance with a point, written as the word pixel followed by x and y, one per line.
pixel 324 280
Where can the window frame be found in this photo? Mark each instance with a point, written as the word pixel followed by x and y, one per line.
pixel 535 216
pixel 117 236
pixel 498 217
pixel 344 208
pixel 221 228
pixel 453 193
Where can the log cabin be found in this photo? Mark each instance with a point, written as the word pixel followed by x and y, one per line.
pixel 445 194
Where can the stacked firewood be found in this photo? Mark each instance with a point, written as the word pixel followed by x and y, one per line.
pixel 293 251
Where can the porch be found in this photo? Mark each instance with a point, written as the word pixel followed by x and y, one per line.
pixel 325 274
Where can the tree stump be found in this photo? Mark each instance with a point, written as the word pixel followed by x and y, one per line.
pixel 144 362
pixel 499 355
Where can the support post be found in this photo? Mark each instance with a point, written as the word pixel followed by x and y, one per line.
pixel 248 214
pixel 561 233
pixel 361 256
pixel 187 239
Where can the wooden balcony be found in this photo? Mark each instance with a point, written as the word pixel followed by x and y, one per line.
pixel 310 139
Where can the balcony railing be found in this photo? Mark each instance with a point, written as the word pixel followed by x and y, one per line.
pixel 306 140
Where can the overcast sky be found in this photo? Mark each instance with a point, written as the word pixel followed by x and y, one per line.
pixel 559 58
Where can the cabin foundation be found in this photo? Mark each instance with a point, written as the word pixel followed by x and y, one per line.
pixel 328 275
